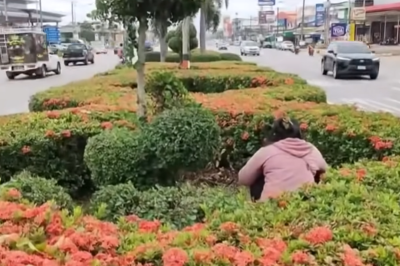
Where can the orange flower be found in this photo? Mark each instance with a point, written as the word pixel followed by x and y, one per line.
pixel 26 149
pixel 361 173
pixel 229 227
pixel 106 125
pixel 175 257
pixel 245 135
pixel 300 257
pixel 13 193
pixel 282 204
pixel 66 133
pixel 330 128
pixel 319 235
pixel 50 133
pixel 202 256
pixel 53 114
pixel 303 126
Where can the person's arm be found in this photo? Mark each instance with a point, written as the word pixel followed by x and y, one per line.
pixel 319 160
pixel 253 168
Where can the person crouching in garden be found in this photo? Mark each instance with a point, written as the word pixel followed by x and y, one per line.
pixel 285 164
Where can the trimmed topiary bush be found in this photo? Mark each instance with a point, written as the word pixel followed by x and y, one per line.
pixel 184 139
pixel 38 190
pixel 117 156
pixel 230 57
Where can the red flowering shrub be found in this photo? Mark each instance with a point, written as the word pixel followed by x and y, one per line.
pixel 51 144
pixel 339 224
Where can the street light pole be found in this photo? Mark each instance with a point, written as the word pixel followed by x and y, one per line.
pixel 302 21
pixel 5 11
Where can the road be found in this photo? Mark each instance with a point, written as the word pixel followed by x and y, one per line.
pixel 15 94
pixel 382 94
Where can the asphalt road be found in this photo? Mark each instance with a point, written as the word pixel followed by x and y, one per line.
pixel 15 94
pixel 382 94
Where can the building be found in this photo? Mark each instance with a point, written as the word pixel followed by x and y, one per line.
pixel 289 17
pixel 18 11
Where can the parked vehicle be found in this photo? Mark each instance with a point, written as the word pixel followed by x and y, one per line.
pixel 350 58
pixel 23 50
pixel 287 46
pixel 78 53
pixel 267 45
pixel 249 48
pixel 223 46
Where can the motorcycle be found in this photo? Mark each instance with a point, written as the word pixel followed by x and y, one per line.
pixel 310 51
pixel 296 50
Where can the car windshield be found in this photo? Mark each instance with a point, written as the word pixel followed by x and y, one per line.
pixel 353 48
pixel 76 46
pixel 287 42
pixel 250 44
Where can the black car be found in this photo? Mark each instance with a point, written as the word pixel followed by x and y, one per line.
pixel 78 53
pixel 349 58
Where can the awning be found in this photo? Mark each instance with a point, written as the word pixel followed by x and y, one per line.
pixel 383 8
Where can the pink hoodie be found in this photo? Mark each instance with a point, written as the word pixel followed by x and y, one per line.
pixel 287 165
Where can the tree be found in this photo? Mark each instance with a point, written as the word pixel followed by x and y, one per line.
pixel 209 18
pixel 86 31
pixel 175 39
pixel 139 13
pixel 179 9
pixel 106 23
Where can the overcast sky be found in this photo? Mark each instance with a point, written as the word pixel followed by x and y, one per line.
pixel 243 8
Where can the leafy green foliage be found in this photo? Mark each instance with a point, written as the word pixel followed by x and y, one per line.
pixel 38 190
pixel 175 39
pixel 116 156
pixel 166 91
pixel 176 206
pixel 184 139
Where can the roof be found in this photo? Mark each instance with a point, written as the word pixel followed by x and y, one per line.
pixel 44 12
pixel 382 8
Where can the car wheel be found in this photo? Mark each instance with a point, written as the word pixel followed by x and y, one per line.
pixel 41 72
pixel 258 54
pixel 374 76
pixel 92 61
pixel 58 69
pixel 86 62
pixel 10 75
pixel 66 63
pixel 335 74
pixel 323 69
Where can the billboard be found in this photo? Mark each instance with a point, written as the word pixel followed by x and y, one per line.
pixel 282 23
pixel 265 16
pixel 338 30
pixel 227 24
pixel 358 14
pixel 319 15
pixel 266 2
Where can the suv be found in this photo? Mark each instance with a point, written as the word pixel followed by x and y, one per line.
pixel 349 58
pixel 78 52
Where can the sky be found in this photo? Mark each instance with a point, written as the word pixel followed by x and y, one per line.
pixel 243 8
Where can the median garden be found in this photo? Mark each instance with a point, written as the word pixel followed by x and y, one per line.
pixel 86 182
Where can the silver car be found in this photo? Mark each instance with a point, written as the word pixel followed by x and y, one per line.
pixel 249 48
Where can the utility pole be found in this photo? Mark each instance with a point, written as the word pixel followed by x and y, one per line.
pixel 327 6
pixel 41 15
pixel 277 20
pixel 5 11
pixel 185 43
pixel 302 21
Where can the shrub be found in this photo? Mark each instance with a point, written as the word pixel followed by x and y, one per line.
pixel 184 139
pixel 153 56
pixel 118 156
pixel 175 206
pixel 166 91
pixel 175 39
pixel 51 144
pixel 38 190
pixel 230 57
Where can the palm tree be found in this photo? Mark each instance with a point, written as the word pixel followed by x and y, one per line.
pixel 210 16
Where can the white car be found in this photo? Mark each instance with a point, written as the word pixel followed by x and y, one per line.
pixel 249 48
pixel 100 49
pixel 223 46
pixel 40 68
pixel 287 46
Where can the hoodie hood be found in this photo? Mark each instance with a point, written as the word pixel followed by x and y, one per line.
pixel 296 147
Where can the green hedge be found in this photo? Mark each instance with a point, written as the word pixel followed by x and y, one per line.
pixel 194 57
